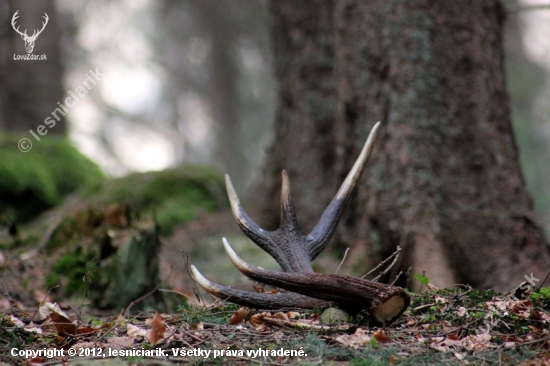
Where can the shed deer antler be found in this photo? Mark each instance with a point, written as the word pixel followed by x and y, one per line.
pixel 294 252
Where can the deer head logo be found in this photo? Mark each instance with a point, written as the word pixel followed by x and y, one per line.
pixel 29 41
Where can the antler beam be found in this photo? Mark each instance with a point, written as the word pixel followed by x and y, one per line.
pixel 294 252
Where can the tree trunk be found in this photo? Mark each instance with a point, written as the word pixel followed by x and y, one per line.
pixel 30 89
pixel 444 181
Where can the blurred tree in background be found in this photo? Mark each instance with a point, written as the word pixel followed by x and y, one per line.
pixel 191 81
pixel 445 181
pixel 30 89
pixel 529 88
pixel 200 71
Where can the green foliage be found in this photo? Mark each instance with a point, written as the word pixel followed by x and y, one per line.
pixel 541 297
pixel 37 180
pixel 423 279
pixel 542 293
pixel 480 296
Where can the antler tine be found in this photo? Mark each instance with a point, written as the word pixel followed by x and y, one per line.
pixel 247 225
pixel 255 299
pixel 322 232
pixel 384 302
pixel 288 213
pixel 286 244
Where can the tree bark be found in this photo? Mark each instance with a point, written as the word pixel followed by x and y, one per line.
pixel 444 180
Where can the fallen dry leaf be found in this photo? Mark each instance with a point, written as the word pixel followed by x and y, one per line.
pixel 381 336
pixel 156 334
pixel 120 320
pixel 453 337
pixel 257 321
pixel 134 331
pixel 120 342
pixel 358 339
pixel 258 289
pixel 63 326
pixel 534 314
pixel 431 287
pixel 461 311
pixel 439 347
pixel 293 314
pixel 281 316
pixel 47 308
pixel 31 328
pixel 452 342
pixel 86 330
pixel 197 326
pixel 476 342
pixel 15 321
pixel 460 356
pixel 239 315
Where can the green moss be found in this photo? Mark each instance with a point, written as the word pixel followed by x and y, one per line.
pixel 172 196
pixel 133 272
pixel 74 268
pixel 37 180
pixel 112 267
pixel 52 280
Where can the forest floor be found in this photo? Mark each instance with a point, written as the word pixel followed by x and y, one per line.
pixel 454 326
pixel 449 326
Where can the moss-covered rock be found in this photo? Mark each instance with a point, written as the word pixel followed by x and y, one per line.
pixel 106 257
pixel 173 196
pixel 103 244
pixel 34 181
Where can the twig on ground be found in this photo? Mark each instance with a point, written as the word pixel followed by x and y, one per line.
pixel 542 283
pixel 284 323
pixel 396 278
pixel 394 254
pixel 188 271
pixel 126 310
